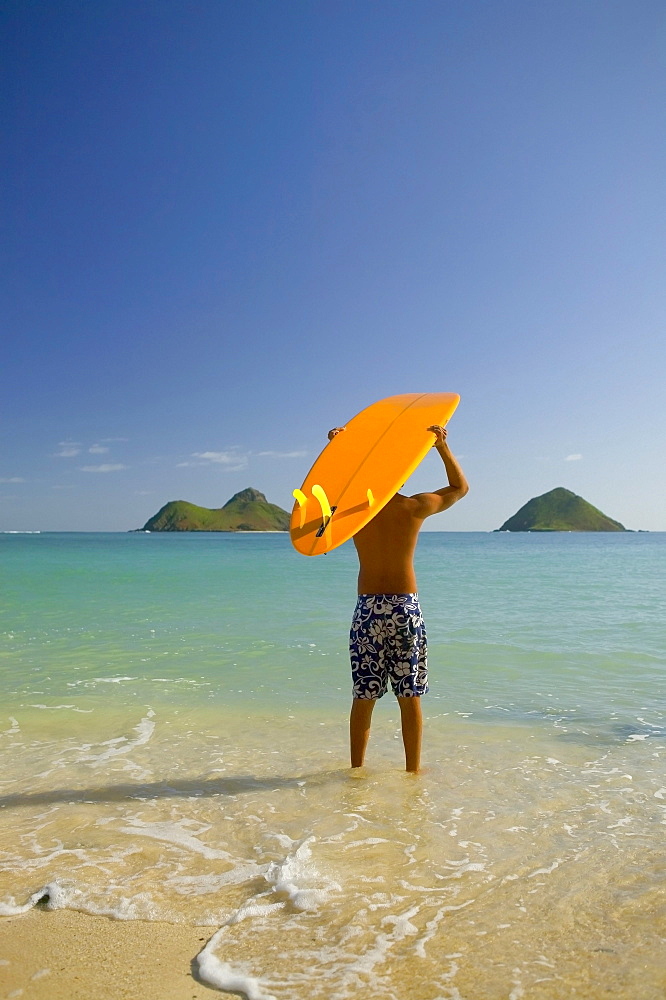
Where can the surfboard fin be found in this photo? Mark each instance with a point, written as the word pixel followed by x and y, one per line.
pixel 301 500
pixel 327 511
pixel 371 499
pixel 320 494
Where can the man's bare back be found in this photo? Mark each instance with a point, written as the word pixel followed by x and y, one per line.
pixel 385 548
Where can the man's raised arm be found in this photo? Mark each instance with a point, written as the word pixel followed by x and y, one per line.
pixel 439 500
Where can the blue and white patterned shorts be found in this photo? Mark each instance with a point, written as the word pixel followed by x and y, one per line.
pixel 388 642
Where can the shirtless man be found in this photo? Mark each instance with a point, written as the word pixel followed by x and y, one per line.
pixel 388 639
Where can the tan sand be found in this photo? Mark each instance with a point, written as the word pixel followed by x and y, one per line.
pixel 66 955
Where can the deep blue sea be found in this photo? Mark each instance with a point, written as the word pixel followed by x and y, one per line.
pixel 173 739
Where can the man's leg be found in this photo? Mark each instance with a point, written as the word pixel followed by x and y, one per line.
pixel 359 728
pixel 412 729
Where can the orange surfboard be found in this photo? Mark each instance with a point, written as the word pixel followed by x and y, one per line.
pixel 360 470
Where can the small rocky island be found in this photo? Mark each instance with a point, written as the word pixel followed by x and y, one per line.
pixel 560 510
pixel 248 510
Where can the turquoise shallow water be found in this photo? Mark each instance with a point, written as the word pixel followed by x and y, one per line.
pixel 540 624
pixel 173 741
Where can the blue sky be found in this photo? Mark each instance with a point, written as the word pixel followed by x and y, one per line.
pixel 229 226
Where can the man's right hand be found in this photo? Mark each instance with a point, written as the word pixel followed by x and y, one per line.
pixel 335 430
pixel 440 435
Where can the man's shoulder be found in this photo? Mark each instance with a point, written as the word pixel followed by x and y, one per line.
pixel 407 510
pixel 402 499
pixel 404 505
pixel 437 502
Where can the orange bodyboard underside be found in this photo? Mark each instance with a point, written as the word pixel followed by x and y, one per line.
pixel 360 470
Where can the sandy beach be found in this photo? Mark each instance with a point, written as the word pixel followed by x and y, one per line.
pixel 67 955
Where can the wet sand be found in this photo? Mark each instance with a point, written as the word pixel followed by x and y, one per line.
pixel 67 955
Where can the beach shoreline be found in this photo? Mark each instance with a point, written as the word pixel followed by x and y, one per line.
pixel 176 781
pixel 69 955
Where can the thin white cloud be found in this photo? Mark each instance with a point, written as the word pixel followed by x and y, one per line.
pixel 68 449
pixel 221 457
pixel 229 461
pixel 98 449
pixel 281 454
pixel 13 479
pixel 102 468
pixel 573 458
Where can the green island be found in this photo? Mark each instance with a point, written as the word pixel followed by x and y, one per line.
pixel 560 510
pixel 248 510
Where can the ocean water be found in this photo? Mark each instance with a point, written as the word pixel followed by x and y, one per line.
pixel 173 741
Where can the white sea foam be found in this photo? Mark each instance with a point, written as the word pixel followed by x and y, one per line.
pixel 288 879
pixel 432 927
pixel 200 885
pixel 175 833
pixel 49 706
pixel 54 896
pixel 72 708
pixel 364 843
pixel 223 977
pixel 144 730
pixel 295 869
pixel 61 895
pixel 13 729
pixel 545 871
pixel 112 680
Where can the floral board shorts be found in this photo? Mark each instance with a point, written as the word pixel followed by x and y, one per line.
pixel 387 641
